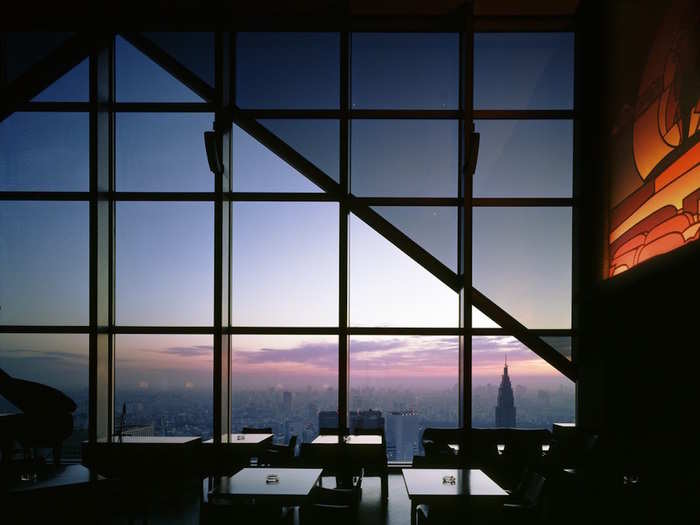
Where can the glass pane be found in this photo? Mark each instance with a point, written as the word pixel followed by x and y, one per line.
pixel 44 263
pixel 165 384
pixel 560 344
pixel 164 263
pixel 318 140
pixel 162 152
pixel 404 158
pixel 74 86
pixel 524 70
pixel 379 294
pixel 45 152
pixel 522 262
pixel 412 381
pixel 25 49
pixel 525 158
pixel 405 71
pixel 287 383
pixel 481 320
pixel 285 264
pixel 194 50
pixel 139 79
pixel 57 360
pixel 524 392
pixel 434 228
pixel 257 169
pixel 288 70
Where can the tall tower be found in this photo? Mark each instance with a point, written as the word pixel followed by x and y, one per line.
pixel 505 408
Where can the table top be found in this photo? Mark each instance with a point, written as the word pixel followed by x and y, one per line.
pixel 153 440
pixel 427 482
pixel 52 478
pixel 351 440
pixel 251 482
pixel 244 439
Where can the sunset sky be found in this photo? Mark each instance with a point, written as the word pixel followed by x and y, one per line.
pixel 285 255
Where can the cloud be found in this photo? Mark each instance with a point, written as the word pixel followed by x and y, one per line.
pixel 324 355
pixel 50 355
pixel 416 354
pixel 187 351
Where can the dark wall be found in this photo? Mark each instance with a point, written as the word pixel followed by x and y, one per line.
pixel 637 354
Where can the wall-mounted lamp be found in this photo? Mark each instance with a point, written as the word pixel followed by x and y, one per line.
pixel 211 144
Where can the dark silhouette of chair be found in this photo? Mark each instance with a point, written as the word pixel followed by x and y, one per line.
pixel 525 502
pixel 335 461
pixel 435 461
pixel 376 431
pixel 375 460
pixel 333 505
pixel 279 455
pixel 436 441
pixel 47 418
pixel 254 430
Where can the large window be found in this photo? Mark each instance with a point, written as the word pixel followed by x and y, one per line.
pixel 329 268
pixel 522 225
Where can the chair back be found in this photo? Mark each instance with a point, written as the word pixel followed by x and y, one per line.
pixel 292 446
pixel 360 431
pixel 437 440
pixel 254 430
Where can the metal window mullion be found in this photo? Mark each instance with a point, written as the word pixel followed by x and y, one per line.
pixel 101 355
pixel 343 257
pixel 465 225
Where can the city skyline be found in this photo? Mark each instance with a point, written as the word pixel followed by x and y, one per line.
pixel 293 361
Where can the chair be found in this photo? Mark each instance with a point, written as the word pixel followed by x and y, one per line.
pixel 279 455
pixel 337 505
pixel 254 430
pixel 377 463
pixel 436 441
pixel 335 461
pixel 435 461
pixel 360 431
pixel 525 505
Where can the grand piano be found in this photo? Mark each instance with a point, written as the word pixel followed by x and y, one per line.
pixel 46 419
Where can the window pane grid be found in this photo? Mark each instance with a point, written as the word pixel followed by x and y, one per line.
pixel 359 116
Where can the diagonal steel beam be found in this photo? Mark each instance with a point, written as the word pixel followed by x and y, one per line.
pixel 523 334
pixel 288 154
pixel 171 65
pixel 407 245
pixel 364 212
pixel 46 71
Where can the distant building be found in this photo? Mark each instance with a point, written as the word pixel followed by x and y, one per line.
pixel 327 419
pixel 402 435
pixel 287 402
pixel 505 407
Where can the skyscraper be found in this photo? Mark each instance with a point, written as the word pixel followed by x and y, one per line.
pixel 287 402
pixel 505 407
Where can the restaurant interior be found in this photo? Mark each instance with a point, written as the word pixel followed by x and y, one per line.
pixel 374 262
